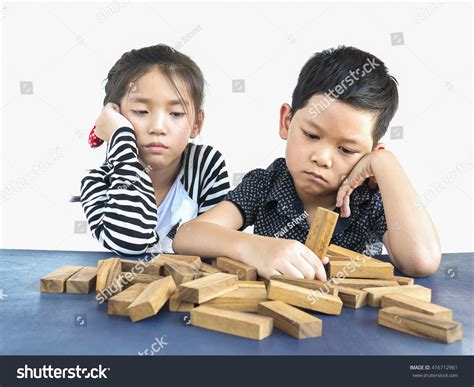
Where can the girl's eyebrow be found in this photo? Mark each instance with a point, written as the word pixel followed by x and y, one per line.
pixel 145 100
pixel 140 99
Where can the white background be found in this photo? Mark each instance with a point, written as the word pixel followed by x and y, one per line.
pixel 66 50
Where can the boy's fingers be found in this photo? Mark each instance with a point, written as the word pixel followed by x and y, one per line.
pixel 304 267
pixel 325 260
pixel 289 269
pixel 347 210
pixel 320 273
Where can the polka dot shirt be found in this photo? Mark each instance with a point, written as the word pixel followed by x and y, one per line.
pixel 268 200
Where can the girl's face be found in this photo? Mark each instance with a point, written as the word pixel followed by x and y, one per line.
pixel 328 142
pixel 162 126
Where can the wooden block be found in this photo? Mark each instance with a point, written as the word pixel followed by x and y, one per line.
pixel 374 295
pixel 176 258
pixel 421 325
pixel 207 288
pixel 291 320
pixel 83 281
pixel 320 233
pixel 233 323
pixel 118 304
pixel 251 284
pixel 144 278
pixel 206 268
pixel 326 287
pixel 411 303
pixel 181 273
pixel 243 299
pixel 140 267
pixel 55 282
pixel 305 298
pixel 341 252
pixel 404 280
pixel 151 299
pixel 354 269
pixel 359 283
pixel 175 304
pixel 352 298
pixel 109 278
pixel 242 270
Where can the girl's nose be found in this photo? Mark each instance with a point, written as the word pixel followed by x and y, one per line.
pixel 157 124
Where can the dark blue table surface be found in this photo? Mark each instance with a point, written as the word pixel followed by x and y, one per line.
pixel 34 323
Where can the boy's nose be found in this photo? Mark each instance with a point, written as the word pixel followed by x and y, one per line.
pixel 322 158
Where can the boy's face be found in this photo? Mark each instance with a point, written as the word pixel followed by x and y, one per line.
pixel 162 127
pixel 324 141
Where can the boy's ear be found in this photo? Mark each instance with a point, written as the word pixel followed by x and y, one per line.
pixel 379 145
pixel 197 126
pixel 285 119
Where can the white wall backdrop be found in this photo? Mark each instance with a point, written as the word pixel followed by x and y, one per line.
pixel 56 55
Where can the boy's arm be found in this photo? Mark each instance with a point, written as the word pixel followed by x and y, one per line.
pixel 215 234
pixel 411 239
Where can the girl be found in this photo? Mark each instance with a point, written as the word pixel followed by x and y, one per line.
pixel 153 179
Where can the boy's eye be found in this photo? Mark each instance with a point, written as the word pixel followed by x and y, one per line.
pixel 139 112
pixel 177 114
pixel 347 151
pixel 310 135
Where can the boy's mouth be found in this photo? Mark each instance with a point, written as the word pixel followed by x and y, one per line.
pixel 316 177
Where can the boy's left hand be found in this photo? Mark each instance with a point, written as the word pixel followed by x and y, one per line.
pixel 359 173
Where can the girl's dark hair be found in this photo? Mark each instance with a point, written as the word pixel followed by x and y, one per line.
pixel 344 69
pixel 173 64
pixel 136 63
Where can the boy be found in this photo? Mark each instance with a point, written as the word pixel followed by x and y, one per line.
pixel 341 107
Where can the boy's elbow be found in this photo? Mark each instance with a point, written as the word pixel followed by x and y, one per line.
pixel 426 262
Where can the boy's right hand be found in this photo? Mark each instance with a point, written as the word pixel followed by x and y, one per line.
pixel 273 256
pixel 109 121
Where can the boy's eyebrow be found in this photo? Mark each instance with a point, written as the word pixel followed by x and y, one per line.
pixel 345 140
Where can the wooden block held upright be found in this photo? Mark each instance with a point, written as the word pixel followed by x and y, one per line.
pixel 304 298
pixel 83 281
pixel 207 288
pixel 374 295
pixel 233 323
pixel 118 304
pixel 421 325
pixel 55 282
pixel 242 270
pixel 411 303
pixel 320 233
pixel 291 320
pixel 151 299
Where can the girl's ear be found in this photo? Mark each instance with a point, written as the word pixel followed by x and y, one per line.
pixel 285 119
pixel 197 126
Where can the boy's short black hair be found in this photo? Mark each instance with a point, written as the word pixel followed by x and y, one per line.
pixel 337 69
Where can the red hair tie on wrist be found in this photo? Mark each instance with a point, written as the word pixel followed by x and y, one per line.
pixel 94 141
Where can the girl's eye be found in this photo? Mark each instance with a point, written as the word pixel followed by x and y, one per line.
pixel 347 151
pixel 139 112
pixel 177 114
pixel 311 136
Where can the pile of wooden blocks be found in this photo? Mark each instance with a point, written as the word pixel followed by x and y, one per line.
pixel 225 295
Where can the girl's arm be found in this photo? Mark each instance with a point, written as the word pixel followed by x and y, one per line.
pixel 118 198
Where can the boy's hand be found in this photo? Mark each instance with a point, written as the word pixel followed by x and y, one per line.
pixel 109 121
pixel 361 171
pixel 273 256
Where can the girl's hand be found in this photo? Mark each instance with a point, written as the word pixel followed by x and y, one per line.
pixel 274 256
pixel 109 121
